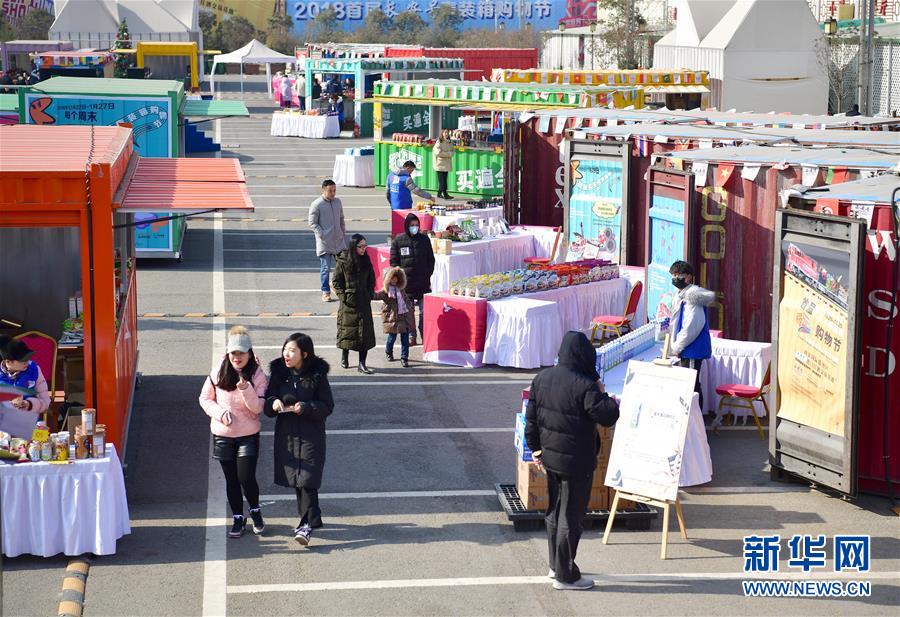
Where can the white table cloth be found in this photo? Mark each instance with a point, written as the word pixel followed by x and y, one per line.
pixel 453 218
pixel 522 332
pixel 350 170
pixel 573 307
pixel 71 509
pixel 696 465
pixel 502 252
pixel 288 124
pixel 449 268
pixel 742 362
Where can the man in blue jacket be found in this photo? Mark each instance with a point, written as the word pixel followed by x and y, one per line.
pixel 401 188
pixel 689 324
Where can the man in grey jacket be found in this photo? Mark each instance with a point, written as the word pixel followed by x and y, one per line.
pixel 326 219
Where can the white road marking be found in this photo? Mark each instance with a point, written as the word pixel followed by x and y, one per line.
pixel 271 291
pixel 386 495
pixel 214 555
pixel 600 579
pixel 498 382
pixel 406 431
pixel 745 490
pixel 268 250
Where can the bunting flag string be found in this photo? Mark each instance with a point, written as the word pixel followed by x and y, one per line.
pixel 723 173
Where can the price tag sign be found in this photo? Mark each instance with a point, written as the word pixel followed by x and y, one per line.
pixel 40 435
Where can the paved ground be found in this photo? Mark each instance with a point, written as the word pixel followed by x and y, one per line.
pixel 412 526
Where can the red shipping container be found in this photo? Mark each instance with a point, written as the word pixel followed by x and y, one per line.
pixel 871 200
pixel 479 62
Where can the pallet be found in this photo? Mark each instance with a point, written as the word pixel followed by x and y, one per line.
pixel 638 519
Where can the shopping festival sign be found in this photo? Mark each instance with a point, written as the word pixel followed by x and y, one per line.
pixel 648 446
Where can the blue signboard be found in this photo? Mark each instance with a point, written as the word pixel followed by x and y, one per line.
pixel 150 118
pixel 666 247
pixel 541 14
pixel 595 209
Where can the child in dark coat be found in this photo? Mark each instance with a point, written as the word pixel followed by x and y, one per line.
pixel 396 313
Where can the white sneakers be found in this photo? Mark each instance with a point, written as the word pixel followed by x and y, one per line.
pixel 582 584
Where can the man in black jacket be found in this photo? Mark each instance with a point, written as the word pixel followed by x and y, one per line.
pixel 412 252
pixel 565 404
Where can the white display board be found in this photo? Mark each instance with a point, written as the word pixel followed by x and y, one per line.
pixel 648 446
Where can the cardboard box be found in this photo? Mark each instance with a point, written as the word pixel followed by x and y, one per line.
pixel 444 247
pixel 600 498
pixel 531 483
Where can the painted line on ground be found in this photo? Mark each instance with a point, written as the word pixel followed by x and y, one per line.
pixel 406 431
pixel 214 566
pixel 600 579
pixel 71 599
pixel 395 382
pixel 269 251
pixel 273 291
pixel 386 495
pixel 744 490
pixel 226 315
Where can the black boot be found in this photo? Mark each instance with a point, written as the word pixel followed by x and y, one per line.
pixel 404 362
pixel 345 358
pixel 362 368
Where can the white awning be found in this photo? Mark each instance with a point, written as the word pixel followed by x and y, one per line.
pixel 675 89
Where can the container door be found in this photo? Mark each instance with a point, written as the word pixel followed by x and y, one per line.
pixel 670 212
pixel 816 330
pixel 595 201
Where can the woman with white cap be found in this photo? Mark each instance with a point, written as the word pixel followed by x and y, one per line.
pixel 233 398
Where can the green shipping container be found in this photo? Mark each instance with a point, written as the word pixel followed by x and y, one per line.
pixel 478 173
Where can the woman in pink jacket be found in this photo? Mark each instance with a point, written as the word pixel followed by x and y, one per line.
pixel 233 398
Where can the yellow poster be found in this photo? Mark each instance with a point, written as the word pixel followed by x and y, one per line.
pixel 257 12
pixel 812 358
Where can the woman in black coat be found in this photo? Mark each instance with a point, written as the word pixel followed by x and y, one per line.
pixel 354 283
pixel 299 397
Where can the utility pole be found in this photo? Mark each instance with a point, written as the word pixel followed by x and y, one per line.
pixel 870 61
pixel 629 40
pixel 866 55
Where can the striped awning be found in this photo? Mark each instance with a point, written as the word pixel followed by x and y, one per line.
pixel 185 185
pixel 675 89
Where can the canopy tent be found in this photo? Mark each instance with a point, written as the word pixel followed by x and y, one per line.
pixel 253 52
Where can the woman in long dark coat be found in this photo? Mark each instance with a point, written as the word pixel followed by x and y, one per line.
pixel 299 397
pixel 354 283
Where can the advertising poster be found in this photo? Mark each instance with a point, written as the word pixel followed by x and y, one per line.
pixel 648 444
pixel 150 118
pixel 595 209
pixel 666 247
pixel 812 358
pixel 151 234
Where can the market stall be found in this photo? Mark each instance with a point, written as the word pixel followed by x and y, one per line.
pixel 157 110
pixel 17 54
pixel 677 89
pixel 477 114
pixel 253 52
pixel 365 72
pixel 873 199
pixel 68 195
pixel 354 167
pixel 312 125
pixel 75 64
pixel 737 191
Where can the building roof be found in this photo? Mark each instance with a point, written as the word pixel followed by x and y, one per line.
pixel 104 87
pixel 854 158
pixel 143 16
pixel 878 189
pixel 58 149
pixel 253 52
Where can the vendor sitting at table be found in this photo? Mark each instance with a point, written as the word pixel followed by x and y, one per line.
pixel 336 106
pixel 401 188
pixel 17 369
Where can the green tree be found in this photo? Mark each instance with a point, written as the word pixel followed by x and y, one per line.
pixel 408 28
pixel 444 30
pixel 375 29
pixel 7 32
pixel 618 36
pixel 279 34
pixel 34 25
pixel 123 41
pixel 324 28
pixel 208 23
pixel 234 33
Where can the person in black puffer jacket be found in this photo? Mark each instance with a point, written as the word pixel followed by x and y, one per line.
pixel 299 397
pixel 565 404
pixel 412 252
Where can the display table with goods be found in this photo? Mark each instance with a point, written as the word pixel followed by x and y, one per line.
pixel 354 168
pixel 518 318
pixel 310 125
pixel 438 216
pixel 68 492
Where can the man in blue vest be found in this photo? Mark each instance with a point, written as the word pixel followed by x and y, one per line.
pixel 401 188
pixel 689 324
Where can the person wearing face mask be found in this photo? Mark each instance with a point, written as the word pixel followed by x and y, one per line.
pixel 354 283
pixel 689 324
pixel 412 252
pixel 299 398
pixel 232 397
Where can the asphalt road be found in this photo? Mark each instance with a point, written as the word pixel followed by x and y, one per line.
pixel 411 523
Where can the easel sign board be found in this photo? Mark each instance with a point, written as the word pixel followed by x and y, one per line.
pixel 649 440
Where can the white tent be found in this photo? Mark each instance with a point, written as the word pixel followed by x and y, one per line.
pixel 253 52
pixel 94 24
pixel 761 55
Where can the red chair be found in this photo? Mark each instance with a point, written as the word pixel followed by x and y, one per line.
pixel 45 349
pixel 543 261
pixel 739 395
pixel 614 324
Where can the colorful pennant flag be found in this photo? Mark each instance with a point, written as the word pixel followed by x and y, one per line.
pixel 723 173
pixel 836 175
